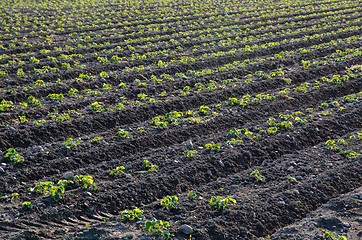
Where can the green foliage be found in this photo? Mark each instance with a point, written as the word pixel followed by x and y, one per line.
pixel 157 123
pixel 213 147
pixel 59 117
pixel 14 156
pixel 20 73
pixel 86 180
pixel 96 140
pixel 335 146
pixel 357 136
pixel 192 195
pixel 131 215
pixel 158 227
pixel 234 133
pixel 350 154
pixel 169 201
pixel 70 143
pixel 286 125
pixel 118 171
pixel 257 176
pixel 272 130
pixel 190 153
pixel 332 236
pixel 149 166
pixel 233 101
pixel 55 97
pixel 32 100
pixel 220 202
pixel 49 190
pixel 12 198
pixel 27 206
pixel 5 105
pixel 97 107
pixel 123 133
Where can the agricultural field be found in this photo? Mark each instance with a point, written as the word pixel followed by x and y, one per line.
pixel 160 119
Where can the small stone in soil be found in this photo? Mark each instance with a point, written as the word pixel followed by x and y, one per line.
pixel 186 229
pixel 359 195
pixel 295 191
pixel 68 175
pixel 346 225
pixel 189 144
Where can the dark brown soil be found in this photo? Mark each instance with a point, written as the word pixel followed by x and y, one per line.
pixel 309 188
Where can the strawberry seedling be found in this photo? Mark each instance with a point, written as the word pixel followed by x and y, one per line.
pixel 272 130
pixel 27 206
pixel 86 180
pixel 190 153
pixel 169 201
pixel 131 215
pixel 258 178
pixel 12 198
pixel 14 156
pixel 158 227
pixel 48 189
pixel 350 154
pixel 149 166
pixel 192 195
pixel 96 140
pixel 332 236
pixel 70 143
pixel 118 171
pixel 122 133
pixel 220 202
pixel 213 147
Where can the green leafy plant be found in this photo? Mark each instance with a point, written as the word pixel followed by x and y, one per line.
pixel 14 156
pixel 123 133
pixel 20 73
pixel 272 130
pixel 131 215
pixel 55 97
pixel 286 125
pixel 70 143
pixel 350 154
pixel 48 189
pixel 27 206
pixel 169 201
pixel 32 100
pixel 96 140
pixel 5 105
pixel 213 147
pixel 12 198
pixel 332 236
pixel 86 180
pixel 192 195
pixel 220 202
pixel 234 133
pixel 118 171
pixel 149 166
pixel 158 227
pixel 292 179
pixel 98 107
pixel 190 153
pixel 257 176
